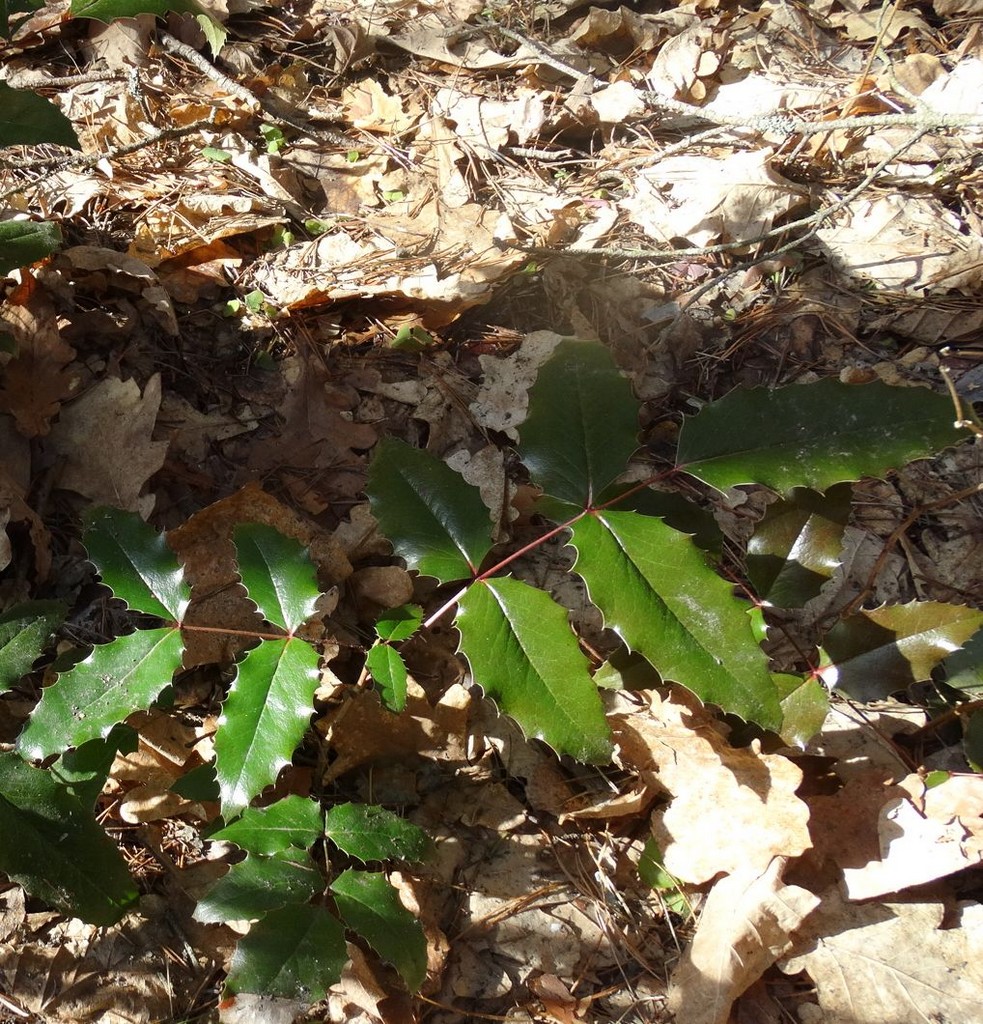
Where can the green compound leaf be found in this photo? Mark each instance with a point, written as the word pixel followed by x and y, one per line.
pixel 582 425
pixel 525 657
pixel 52 845
pixel 23 242
pixel 255 886
pixel 24 632
pixel 297 952
pixel 797 545
pixel 115 680
pixel 398 624
pixel 264 719
pixel 135 562
pixel 657 592
pixel 369 833
pixel 369 905
pixel 110 10
pixel 278 575
pixel 388 671
pixel 435 520
pixel 27 119
pixel 879 652
pixel 813 435
pixel 292 821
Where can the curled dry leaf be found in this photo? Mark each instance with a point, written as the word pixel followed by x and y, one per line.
pixel 745 927
pixel 732 808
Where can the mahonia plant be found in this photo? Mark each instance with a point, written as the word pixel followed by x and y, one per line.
pixel 52 844
pixel 651 581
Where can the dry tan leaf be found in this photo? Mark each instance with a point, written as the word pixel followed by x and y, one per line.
pixel 876 962
pixel 204 546
pixel 707 199
pixel 35 382
pixel 733 809
pixel 361 730
pixel 105 440
pixel 745 926
pixel 907 242
pixel 920 845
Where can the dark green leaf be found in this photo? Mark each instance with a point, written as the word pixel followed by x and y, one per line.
pixel 797 545
pixel 297 952
pixel 199 784
pixel 370 906
pixel 278 575
pixel 524 656
pixel 879 652
pixel 23 242
pixel 264 719
pixel 813 435
pixel 83 771
pixel 805 704
pixel 582 425
pixel 398 624
pixel 292 821
pixel 255 886
pixel 964 669
pixel 24 632
pixel 12 7
pixel 626 670
pixel 435 520
pixel 388 671
pixel 110 10
pixel 27 119
pixel 973 740
pixel 115 680
pixel 135 562
pixel 52 845
pixel 369 833
pixel 657 592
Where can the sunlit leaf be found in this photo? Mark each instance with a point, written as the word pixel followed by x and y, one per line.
pixel 27 119
pixel 797 545
pixel 398 624
pixel 255 886
pixel 24 632
pixel 435 520
pixel 52 845
pixel 264 718
pixel 582 424
pixel 877 653
pixel 115 680
pixel 388 671
pixel 292 821
pixel 369 905
pixel 523 654
pixel 369 833
pixel 813 435
pixel 278 575
pixel 135 562
pixel 297 952
pixel 657 592
pixel 805 704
